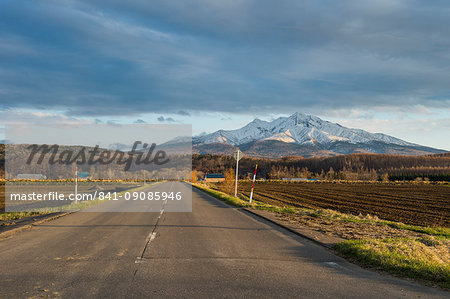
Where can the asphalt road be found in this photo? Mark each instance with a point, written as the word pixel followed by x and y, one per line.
pixel 213 251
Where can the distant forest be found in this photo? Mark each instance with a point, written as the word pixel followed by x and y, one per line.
pixel 346 167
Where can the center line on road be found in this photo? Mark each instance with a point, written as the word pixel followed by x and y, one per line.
pixel 153 233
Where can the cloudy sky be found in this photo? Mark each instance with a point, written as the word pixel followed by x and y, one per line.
pixel 379 65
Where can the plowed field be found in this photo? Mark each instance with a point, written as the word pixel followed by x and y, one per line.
pixel 419 204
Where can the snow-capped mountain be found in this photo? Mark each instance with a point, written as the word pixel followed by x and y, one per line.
pixel 306 135
pixel 297 128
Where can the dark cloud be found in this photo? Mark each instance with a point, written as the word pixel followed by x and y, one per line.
pixel 165 119
pixel 97 58
pixel 183 113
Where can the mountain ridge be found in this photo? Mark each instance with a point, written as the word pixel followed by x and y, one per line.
pixel 305 135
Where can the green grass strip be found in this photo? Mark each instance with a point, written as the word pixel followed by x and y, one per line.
pixel 425 259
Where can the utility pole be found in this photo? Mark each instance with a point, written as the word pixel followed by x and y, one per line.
pixel 253 184
pixel 237 155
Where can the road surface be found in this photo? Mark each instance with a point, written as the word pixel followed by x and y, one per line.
pixel 213 251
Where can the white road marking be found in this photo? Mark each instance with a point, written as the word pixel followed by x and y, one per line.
pixel 153 233
pixel 336 266
pixel 332 264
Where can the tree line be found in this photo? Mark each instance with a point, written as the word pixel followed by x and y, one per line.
pixel 434 167
pixel 345 167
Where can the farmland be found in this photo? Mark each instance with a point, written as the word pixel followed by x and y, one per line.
pixel 410 203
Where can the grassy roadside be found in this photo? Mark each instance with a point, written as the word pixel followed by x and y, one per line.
pixel 236 202
pixel 8 216
pixel 425 258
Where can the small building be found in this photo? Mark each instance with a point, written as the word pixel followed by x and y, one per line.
pixel 31 176
pixel 83 175
pixel 214 177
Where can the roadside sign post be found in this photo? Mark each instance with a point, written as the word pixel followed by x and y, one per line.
pixel 76 184
pixel 237 155
pixel 253 184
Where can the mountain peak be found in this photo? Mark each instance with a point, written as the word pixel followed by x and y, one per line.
pixel 304 130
